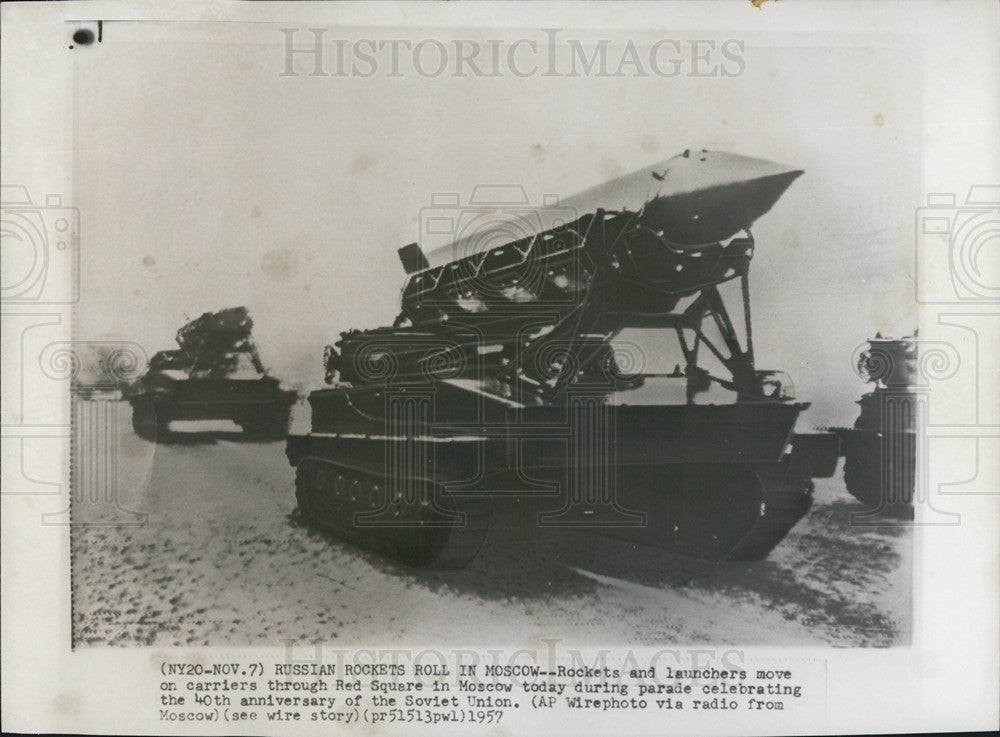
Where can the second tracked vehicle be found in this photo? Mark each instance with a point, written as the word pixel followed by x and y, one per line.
pixel 216 374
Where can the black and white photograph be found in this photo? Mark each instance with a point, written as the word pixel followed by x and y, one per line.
pixel 616 364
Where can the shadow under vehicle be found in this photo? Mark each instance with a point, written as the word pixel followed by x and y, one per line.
pixel 500 381
pixel 216 374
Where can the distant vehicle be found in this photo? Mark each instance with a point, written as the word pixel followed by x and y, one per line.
pixel 498 380
pixel 216 374
pixel 880 451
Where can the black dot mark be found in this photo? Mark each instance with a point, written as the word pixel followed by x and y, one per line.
pixel 84 37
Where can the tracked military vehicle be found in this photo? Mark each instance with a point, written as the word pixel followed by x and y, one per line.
pixel 880 450
pixel 216 374
pixel 504 380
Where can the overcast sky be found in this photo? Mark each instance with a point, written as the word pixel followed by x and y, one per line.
pixel 205 179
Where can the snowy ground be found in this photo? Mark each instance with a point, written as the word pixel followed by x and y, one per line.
pixel 223 559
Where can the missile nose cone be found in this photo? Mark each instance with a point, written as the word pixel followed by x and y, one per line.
pixel 704 197
pixel 767 189
pixel 790 176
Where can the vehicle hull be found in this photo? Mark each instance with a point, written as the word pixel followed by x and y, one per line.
pixel 707 481
pixel 259 406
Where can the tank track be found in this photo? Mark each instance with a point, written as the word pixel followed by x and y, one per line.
pixel 435 530
pixel 712 511
pixel 786 501
pixel 147 419
pixel 879 468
